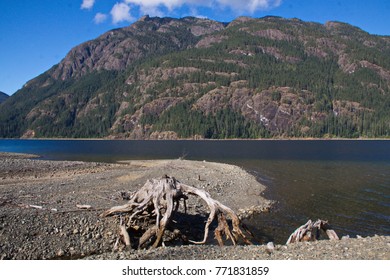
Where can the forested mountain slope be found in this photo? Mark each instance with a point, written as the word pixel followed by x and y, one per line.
pixel 164 78
pixel 3 96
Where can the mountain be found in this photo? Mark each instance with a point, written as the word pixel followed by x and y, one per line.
pixel 166 78
pixel 3 96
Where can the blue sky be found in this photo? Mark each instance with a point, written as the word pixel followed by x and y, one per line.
pixel 35 35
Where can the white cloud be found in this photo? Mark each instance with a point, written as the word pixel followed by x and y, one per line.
pixel 240 6
pixel 153 7
pixel 87 4
pixel 121 12
pixel 195 13
pixel 250 6
pixel 100 18
pixel 169 4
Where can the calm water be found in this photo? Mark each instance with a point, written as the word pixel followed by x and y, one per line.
pixel 345 182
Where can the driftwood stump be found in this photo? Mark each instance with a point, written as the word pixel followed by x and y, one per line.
pixel 311 232
pixel 158 200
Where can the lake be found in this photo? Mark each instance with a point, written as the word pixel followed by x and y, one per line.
pixel 346 182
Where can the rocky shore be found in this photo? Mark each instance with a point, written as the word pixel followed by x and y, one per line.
pixel 369 248
pixel 50 210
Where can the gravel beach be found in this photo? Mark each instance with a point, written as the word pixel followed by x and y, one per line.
pixel 42 213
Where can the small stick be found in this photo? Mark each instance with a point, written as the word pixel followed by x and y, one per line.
pixel 83 206
pixel 36 206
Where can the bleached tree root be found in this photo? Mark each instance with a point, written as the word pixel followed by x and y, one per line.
pixel 124 233
pixel 160 199
pixel 311 232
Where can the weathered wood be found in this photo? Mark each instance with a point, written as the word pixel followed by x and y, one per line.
pixel 149 234
pixel 124 233
pixel 83 206
pixel 328 230
pixel 160 198
pixel 36 206
pixel 311 232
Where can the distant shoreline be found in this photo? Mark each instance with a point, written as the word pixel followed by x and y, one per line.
pixel 200 140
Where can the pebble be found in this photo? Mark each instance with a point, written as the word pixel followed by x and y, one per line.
pixel 60 253
pixel 270 247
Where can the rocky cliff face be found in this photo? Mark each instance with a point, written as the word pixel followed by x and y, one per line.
pixel 172 78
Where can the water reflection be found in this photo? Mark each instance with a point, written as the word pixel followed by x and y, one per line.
pixel 353 196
